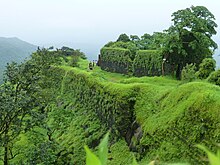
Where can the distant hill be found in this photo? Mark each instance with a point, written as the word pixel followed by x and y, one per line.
pixel 13 49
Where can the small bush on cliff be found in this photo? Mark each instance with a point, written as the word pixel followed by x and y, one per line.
pixel 188 73
pixel 205 68
pixel 215 77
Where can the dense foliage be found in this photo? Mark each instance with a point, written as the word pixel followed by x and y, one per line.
pixel 173 121
pixel 205 68
pixel 123 38
pixel 115 60
pixel 55 109
pixel 92 159
pixel 188 73
pixel 52 105
pixel 189 38
pixel 143 63
pixel 22 107
pixel 147 63
pixel 215 77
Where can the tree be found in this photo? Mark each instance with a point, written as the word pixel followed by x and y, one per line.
pixel 189 38
pixel 158 40
pixel 151 42
pixel 146 36
pixel 126 45
pixel 123 37
pixel 145 42
pixel 22 103
pixel 18 106
pixel 134 38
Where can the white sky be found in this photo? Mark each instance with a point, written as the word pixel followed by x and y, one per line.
pixel 90 21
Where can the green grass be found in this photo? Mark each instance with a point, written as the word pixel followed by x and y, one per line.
pixel 83 64
pixel 160 81
pixel 97 72
pixel 172 115
pixel 120 78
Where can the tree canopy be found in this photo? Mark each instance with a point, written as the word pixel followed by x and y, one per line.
pixel 124 38
pixel 189 38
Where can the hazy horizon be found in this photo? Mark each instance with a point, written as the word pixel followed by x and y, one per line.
pixel 90 23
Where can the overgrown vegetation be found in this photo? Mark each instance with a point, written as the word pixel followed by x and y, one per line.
pixel 92 159
pixel 115 60
pixel 147 63
pixel 52 105
pixel 189 73
pixel 215 77
pixel 187 41
pixel 206 68
pixel 74 106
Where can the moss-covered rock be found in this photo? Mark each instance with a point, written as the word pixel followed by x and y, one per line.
pixel 155 117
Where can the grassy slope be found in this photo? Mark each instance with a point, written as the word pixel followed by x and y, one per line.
pixel 185 113
pixel 162 104
pixel 120 81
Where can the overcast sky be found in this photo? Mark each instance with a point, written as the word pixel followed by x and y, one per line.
pixel 90 21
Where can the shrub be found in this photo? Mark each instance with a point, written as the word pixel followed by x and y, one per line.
pixel 74 61
pixel 188 73
pixel 205 68
pixel 115 54
pixel 215 77
pixel 102 158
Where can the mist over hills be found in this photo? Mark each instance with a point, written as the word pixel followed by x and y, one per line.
pixel 13 49
pixel 216 56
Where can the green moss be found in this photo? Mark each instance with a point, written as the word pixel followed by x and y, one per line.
pixel 174 122
pixel 147 62
pixel 118 55
pixel 158 81
pixel 81 127
pixel 172 117
pixel 116 60
pixel 110 102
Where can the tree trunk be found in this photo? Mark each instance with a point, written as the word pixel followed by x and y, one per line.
pixel 178 71
pixel 6 155
pixel 162 69
pixel 6 147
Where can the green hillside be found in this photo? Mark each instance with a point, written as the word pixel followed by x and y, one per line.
pixel 156 116
pixel 54 105
pixel 154 96
pixel 13 49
